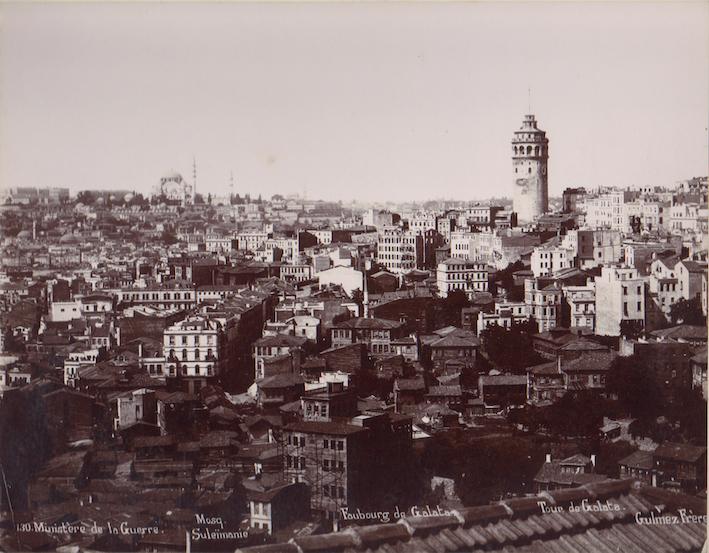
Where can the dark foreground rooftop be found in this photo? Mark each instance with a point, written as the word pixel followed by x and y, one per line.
pixel 519 526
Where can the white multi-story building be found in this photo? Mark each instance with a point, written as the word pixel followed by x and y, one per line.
pixel 75 361
pixel 620 296
pixel 645 215
pixel 251 241
pixel 607 211
pixel 505 315
pixel 422 221
pixel 543 301
pixel 582 306
pixel 460 274
pixel 547 260
pixel 399 250
pixel 168 296
pixel 461 244
pixel 192 347
pixel 688 219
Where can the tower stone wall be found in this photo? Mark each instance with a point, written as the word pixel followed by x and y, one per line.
pixel 530 154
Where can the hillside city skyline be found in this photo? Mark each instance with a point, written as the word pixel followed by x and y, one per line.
pixel 332 99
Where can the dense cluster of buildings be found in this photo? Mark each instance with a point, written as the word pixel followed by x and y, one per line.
pixel 270 364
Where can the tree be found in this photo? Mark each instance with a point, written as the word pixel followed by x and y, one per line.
pixel 358 297
pixel 637 393
pixel 86 197
pixel 168 237
pixel 511 349
pixel 577 414
pixel 631 329
pixel 687 312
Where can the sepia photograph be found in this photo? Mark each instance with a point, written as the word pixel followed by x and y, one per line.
pixel 354 277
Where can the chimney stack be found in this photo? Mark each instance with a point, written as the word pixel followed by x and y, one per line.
pixel 593 462
pixel 548 458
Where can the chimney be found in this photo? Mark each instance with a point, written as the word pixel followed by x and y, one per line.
pixel 558 363
pixel 548 458
pixel 593 462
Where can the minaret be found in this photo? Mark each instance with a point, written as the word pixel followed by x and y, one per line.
pixel 530 154
pixel 194 178
pixel 365 301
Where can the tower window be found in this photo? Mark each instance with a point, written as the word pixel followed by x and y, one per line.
pixel 529 149
pixel 529 170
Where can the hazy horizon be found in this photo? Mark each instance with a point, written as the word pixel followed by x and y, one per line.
pixel 374 102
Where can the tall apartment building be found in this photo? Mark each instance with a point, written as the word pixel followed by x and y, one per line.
pixel 594 247
pixel 607 211
pixel 193 351
pixel 543 300
pixel 462 274
pixel 620 296
pixel 398 250
pixel 547 260
pixel 581 301
pixel 345 459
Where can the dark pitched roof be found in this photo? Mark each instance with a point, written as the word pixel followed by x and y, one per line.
pixel 686 332
pixel 457 339
pixel 282 380
pixel 371 323
pixel 591 361
pixel 503 380
pixel 281 340
pixel 638 459
pixel 680 452
pixel 325 427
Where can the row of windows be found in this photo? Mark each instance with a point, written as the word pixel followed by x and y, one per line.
pixel 296 440
pixel 316 409
pixel 328 465
pixel 333 444
pixel 208 356
pixel 295 462
pixel 206 339
pixel 335 492
pixel 146 296
pixel 521 150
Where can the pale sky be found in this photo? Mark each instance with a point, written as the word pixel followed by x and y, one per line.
pixel 353 100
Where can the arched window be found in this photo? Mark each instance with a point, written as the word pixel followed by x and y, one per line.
pixel 184 355
pixel 536 150
pixel 196 370
pixel 529 149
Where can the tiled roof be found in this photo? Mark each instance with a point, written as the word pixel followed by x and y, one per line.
pixel 503 380
pixel 680 452
pixel 375 324
pixel 590 361
pixel 518 526
pixel 690 332
pixel 445 391
pixel 638 459
pixel 456 339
